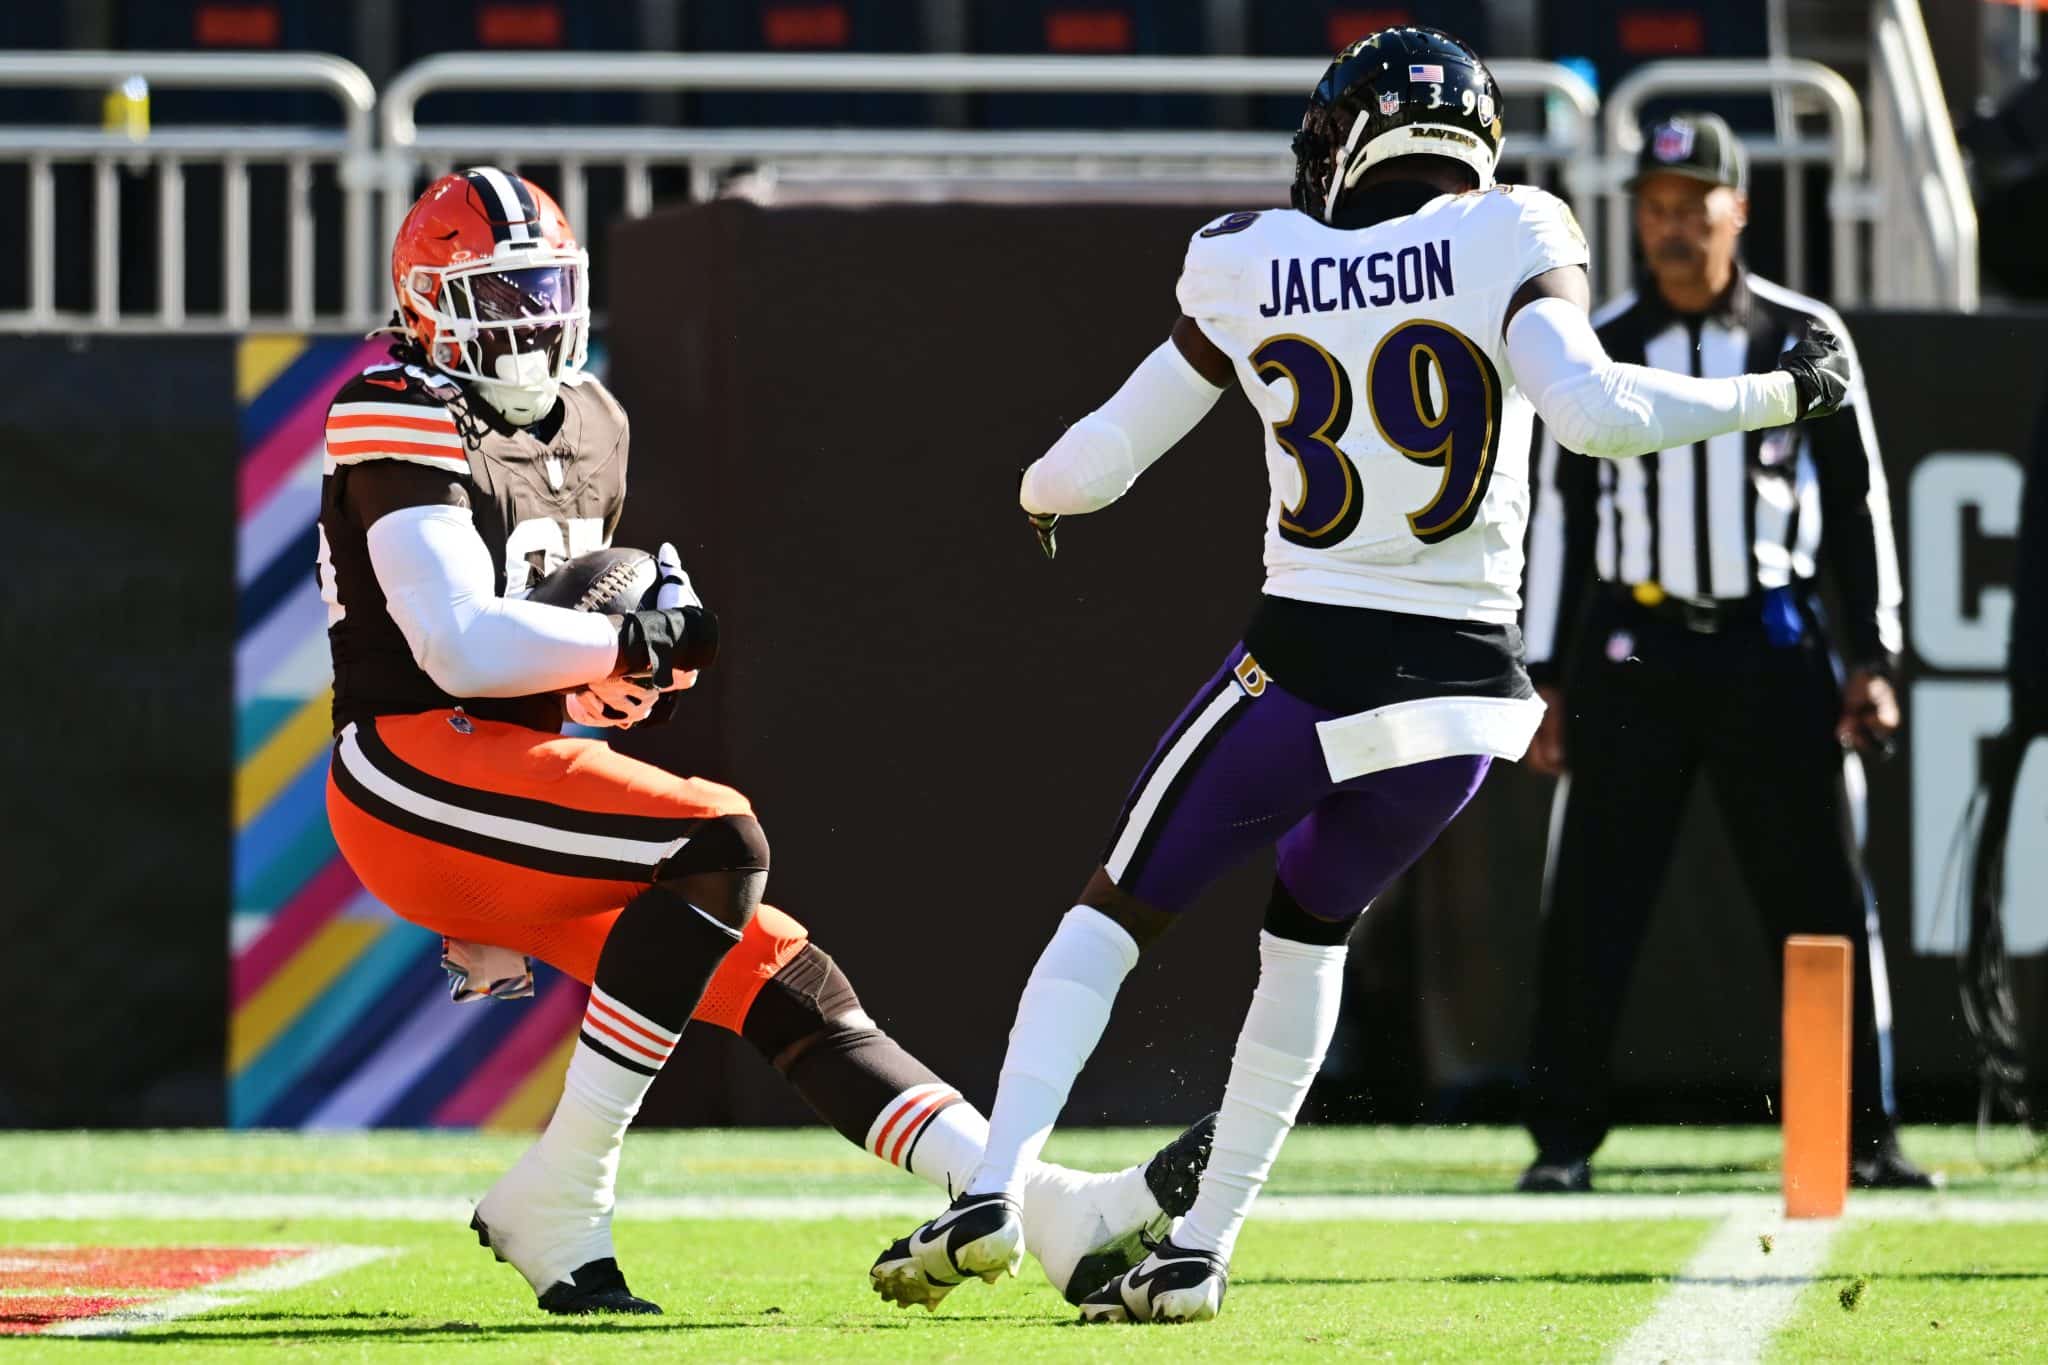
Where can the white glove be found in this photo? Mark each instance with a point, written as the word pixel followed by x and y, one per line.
pixel 674 592
pixel 612 703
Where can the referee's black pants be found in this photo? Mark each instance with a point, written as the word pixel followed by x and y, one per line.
pixel 1757 720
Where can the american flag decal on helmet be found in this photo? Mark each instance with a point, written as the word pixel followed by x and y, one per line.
pixel 1430 71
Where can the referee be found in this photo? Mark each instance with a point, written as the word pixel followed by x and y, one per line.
pixel 1674 627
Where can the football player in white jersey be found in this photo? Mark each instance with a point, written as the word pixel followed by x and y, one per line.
pixel 1396 329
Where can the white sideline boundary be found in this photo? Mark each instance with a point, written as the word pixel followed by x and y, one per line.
pixel 99 1205
pixel 1732 1297
pixel 299 1270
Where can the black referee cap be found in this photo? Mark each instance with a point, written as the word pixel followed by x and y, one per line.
pixel 1698 145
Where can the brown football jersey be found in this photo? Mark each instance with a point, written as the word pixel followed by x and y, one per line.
pixel 539 494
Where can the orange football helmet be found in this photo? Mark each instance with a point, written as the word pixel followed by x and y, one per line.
pixel 494 288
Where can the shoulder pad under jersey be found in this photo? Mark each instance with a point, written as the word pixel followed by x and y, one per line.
pixel 1220 260
pixel 1547 234
pixel 396 412
pixel 592 389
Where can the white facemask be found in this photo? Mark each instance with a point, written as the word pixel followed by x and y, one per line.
pixel 533 321
pixel 524 391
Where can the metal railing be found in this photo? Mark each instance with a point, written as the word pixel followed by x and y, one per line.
pixel 168 154
pixel 382 151
pixel 1924 239
pixel 884 156
pixel 1841 154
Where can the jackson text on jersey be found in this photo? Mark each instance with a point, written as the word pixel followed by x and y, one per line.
pixel 1418 273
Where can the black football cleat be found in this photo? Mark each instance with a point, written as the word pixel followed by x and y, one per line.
pixel 979 1235
pixel 1556 1177
pixel 1885 1167
pixel 1173 1284
pixel 593 1287
pixel 1174 1175
pixel 597 1287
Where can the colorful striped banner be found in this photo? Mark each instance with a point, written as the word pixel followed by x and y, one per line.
pixel 340 1013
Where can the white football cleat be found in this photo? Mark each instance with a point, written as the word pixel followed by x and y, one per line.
pixel 1173 1284
pixel 559 1239
pixel 979 1235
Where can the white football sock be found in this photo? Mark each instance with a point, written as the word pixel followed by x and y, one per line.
pixel 601 1094
pixel 1060 1019
pixel 1114 1203
pixel 1286 1032
pixel 555 1206
pixel 931 1132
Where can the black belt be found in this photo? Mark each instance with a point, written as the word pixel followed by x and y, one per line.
pixel 1710 616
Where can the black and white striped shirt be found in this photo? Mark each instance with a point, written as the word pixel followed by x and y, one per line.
pixel 1723 519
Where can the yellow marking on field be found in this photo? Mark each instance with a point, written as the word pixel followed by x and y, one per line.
pixel 326 956
pixel 262 358
pixel 283 756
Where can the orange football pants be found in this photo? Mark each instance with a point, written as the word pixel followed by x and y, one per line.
pixel 504 835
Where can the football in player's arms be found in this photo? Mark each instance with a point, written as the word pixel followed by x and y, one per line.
pixel 460 476
pixel 1397 330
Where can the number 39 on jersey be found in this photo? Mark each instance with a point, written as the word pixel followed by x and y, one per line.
pixel 1397 447
pixel 1433 397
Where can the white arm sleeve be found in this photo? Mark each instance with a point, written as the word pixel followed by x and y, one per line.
pixel 440 587
pixel 1102 455
pixel 1599 407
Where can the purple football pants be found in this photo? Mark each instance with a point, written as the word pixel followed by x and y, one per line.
pixel 1243 767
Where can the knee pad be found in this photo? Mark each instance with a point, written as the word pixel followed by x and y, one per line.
pixel 1286 919
pixel 723 870
pixel 728 843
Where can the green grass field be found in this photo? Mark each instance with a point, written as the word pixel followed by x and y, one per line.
pixel 1382 1243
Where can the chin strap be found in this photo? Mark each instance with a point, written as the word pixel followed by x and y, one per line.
pixel 497 396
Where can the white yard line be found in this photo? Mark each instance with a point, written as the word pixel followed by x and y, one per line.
pixel 801 1208
pixel 1732 1298
pixel 229 1293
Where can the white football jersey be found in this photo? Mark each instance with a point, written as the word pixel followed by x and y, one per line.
pixel 1397 445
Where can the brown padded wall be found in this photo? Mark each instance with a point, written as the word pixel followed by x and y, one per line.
pixel 937 726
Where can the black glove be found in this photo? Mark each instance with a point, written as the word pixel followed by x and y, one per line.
pixel 1044 525
pixel 658 643
pixel 1820 371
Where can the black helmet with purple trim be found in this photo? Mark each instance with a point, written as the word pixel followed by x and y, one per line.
pixel 1406 91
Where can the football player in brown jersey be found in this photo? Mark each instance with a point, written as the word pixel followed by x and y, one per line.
pixel 480 457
